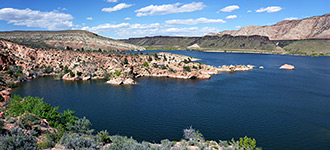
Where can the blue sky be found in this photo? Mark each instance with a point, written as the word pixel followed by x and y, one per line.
pixel 137 18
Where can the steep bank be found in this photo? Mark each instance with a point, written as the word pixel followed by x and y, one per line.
pixel 70 39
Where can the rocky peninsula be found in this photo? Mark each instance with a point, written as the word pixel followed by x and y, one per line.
pixel 20 63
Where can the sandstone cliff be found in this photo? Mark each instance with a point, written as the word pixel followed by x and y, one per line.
pixel 317 27
pixel 75 39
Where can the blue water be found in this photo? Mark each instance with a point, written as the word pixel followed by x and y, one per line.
pixel 282 109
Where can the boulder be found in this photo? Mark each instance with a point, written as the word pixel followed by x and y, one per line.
pixel 115 81
pixel 129 81
pixel 69 78
pixel 86 78
pixel 287 67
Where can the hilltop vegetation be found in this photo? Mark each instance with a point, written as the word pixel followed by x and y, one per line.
pixel 308 47
pixel 74 39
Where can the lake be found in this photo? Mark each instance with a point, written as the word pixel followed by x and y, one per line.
pixel 282 109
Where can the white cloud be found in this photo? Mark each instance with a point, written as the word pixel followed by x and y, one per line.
pixel 270 9
pixel 117 7
pixel 34 18
pixel 62 9
pixel 106 27
pixel 90 18
pixel 127 18
pixel 229 8
pixel 145 26
pixel 291 18
pixel 119 27
pixel 237 27
pixel 231 17
pixel 169 9
pixel 133 30
pixel 112 1
pixel 192 31
pixel 249 11
pixel 193 21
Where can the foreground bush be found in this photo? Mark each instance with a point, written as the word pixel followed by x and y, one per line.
pixel 76 141
pixel 17 106
pixel 17 140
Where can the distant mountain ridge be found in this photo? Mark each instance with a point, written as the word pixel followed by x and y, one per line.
pixel 317 27
pixel 75 39
pixel 205 42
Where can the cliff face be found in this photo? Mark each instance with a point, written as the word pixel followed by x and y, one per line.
pixel 75 39
pixel 205 42
pixel 309 28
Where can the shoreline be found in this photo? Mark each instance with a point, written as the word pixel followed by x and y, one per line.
pixel 243 51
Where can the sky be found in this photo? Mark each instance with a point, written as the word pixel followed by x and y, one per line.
pixel 120 19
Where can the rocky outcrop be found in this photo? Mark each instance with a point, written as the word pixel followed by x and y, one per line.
pixel 194 46
pixel 287 67
pixel 233 68
pixel 70 39
pixel 317 27
pixel 120 81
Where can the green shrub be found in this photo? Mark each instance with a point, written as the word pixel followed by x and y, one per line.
pixel 2 124
pixel 71 73
pixel 125 61
pixel 76 141
pixel 124 143
pixel 164 67
pixel 156 56
pixel 247 143
pixel 192 135
pixel 17 140
pixel 186 68
pixel 103 136
pixel 66 69
pixel 46 144
pixel 117 73
pixel 81 125
pixel 146 64
pixel 166 144
pixel 314 55
pixel 41 109
pixel 56 136
pixel 79 73
pixel 10 72
pixel 27 120
pixel 155 65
